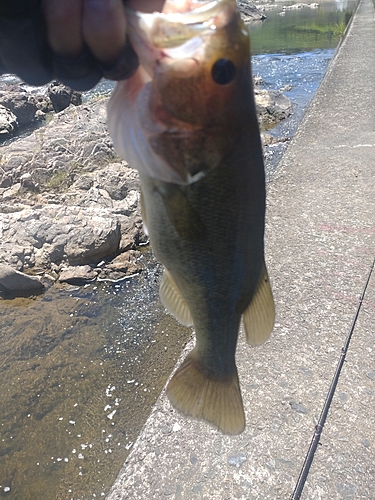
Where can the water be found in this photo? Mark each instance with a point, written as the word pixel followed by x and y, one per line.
pixel 300 74
pixel 301 30
pixel 80 368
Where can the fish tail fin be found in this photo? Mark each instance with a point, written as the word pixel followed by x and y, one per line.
pixel 259 317
pixel 204 396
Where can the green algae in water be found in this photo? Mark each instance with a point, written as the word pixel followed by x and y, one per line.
pixel 80 371
pixel 301 30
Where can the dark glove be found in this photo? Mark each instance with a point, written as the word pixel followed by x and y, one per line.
pixel 24 51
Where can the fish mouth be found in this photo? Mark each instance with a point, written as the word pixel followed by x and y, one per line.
pixel 179 21
pixel 179 31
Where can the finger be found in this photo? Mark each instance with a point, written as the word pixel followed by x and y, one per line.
pixel 146 5
pixel 63 20
pixel 104 28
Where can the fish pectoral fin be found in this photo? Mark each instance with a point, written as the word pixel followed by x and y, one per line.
pixel 172 300
pixel 201 395
pixel 259 317
pixel 184 218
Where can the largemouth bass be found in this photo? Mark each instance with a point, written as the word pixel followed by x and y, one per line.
pixel 187 121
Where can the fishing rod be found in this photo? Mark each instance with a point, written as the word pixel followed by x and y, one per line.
pixel 323 416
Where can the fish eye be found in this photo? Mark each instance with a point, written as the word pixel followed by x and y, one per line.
pixel 223 71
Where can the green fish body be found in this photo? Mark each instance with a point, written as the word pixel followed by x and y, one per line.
pixel 204 202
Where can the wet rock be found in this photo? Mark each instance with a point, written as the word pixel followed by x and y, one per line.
pixel 258 80
pixel 268 139
pixel 16 284
pixel 25 105
pixel 77 275
pixel 8 123
pixel 286 88
pixel 126 262
pixel 301 6
pixel 272 106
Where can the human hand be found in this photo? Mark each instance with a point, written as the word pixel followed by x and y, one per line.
pixel 74 41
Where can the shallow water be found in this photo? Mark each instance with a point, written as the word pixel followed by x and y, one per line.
pixel 301 75
pixel 301 30
pixel 80 368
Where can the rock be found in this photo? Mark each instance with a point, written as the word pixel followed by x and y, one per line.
pixel 16 284
pixel 98 239
pixel 21 105
pixel 11 192
pixel 77 275
pixel 258 80
pixel 249 12
pixel 24 104
pixel 8 123
pixel 116 186
pixel 85 183
pixel 272 107
pixel 126 262
pixel 68 200
pixel 5 180
pixel 17 256
pixel 300 6
pixel 28 183
pixel 62 96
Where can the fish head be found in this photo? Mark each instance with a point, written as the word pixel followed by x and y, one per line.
pixel 204 80
pixel 194 87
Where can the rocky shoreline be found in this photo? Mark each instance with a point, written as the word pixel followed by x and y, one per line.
pixel 69 206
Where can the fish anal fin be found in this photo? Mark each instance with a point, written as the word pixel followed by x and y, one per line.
pixel 259 317
pixel 172 300
pixel 204 396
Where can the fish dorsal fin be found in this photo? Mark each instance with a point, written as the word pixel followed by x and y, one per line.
pixel 259 316
pixel 172 300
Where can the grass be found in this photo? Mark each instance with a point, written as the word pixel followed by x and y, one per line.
pixel 58 181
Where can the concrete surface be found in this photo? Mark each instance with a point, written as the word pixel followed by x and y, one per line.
pixel 320 245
